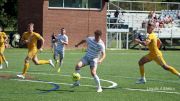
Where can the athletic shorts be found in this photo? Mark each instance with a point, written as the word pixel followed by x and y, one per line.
pixel 58 53
pixel 32 54
pixel 2 48
pixel 158 59
pixel 93 62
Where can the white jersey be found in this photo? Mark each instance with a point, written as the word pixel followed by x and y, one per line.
pixel 61 38
pixel 94 48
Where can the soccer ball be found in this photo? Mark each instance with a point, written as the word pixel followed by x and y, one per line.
pixel 76 76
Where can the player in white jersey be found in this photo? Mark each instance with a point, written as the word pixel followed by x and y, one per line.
pixel 61 40
pixel 95 55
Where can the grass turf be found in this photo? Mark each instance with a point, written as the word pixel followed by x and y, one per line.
pixel 119 66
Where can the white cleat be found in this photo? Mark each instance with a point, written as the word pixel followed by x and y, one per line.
pixel 7 64
pixel 99 90
pixel 21 76
pixel 51 63
pixel 141 81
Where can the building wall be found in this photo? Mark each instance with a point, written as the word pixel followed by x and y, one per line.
pixel 78 23
pixel 30 11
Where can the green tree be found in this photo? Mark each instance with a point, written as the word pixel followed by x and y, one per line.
pixel 8 13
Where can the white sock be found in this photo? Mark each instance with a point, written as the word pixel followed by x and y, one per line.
pixel 78 71
pixel 96 78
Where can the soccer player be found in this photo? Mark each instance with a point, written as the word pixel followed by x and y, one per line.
pixel 155 54
pixel 95 55
pixel 30 38
pixel 61 40
pixel 3 42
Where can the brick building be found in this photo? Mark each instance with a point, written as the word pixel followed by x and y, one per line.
pixel 78 17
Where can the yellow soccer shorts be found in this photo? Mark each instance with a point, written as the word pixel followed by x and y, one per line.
pixel 32 54
pixel 158 59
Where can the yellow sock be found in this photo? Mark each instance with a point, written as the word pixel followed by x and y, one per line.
pixel 1 60
pixel 26 66
pixel 141 68
pixel 173 70
pixel 3 57
pixel 40 62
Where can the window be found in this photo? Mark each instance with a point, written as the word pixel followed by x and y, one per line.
pixel 76 3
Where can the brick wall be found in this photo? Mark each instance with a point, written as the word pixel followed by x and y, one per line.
pixel 78 23
pixel 30 11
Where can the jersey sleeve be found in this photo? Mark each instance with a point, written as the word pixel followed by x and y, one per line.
pixel 38 36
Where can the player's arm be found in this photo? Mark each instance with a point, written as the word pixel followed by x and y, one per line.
pixel 23 40
pixel 42 43
pixel 65 42
pixel 81 42
pixel 103 55
pixel 144 43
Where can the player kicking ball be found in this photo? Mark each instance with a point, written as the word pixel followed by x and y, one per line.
pixel 61 40
pixel 30 38
pixel 95 55
pixel 152 42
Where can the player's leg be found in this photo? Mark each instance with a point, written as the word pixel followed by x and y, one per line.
pixel 160 60
pixel 93 68
pixel 61 57
pixel 1 62
pixel 40 62
pixel 83 62
pixel 26 67
pixel 2 56
pixel 56 57
pixel 145 59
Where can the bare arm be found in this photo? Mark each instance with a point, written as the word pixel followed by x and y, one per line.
pixel 81 42
pixel 102 57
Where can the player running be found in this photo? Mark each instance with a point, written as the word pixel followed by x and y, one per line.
pixel 92 57
pixel 3 42
pixel 30 38
pixel 61 40
pixel 154 54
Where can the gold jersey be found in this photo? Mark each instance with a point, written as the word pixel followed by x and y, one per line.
pixel 32 39
pixel 152 46
pixel 2 38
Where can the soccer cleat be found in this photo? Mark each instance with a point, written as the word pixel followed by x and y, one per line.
pixel 51 63
pixel 21 76
pixel 59 69
pixel 7 64
pixel 75 84
pixel 99 90
pixel 1 66
pixel 141 81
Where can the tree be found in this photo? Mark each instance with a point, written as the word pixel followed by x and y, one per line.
pixel 8 13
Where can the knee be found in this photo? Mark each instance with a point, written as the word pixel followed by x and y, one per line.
pixel 140 63
pixel 93 73
pixel 165 67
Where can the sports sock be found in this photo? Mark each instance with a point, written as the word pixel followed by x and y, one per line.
pixel 141 68
pixel 26 66
pixel 173 70
pixel 96 78
pixel 40 62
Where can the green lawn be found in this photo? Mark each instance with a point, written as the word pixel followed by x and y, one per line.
pixel 43 83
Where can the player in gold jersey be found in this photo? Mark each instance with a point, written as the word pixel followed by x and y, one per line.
pixel 30 38
pixel 3 42
pixel 154 54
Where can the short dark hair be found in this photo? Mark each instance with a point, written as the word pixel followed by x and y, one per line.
pixel 98 32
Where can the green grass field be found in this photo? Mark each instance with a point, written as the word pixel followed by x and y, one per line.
pixel 43 83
